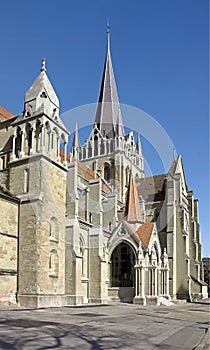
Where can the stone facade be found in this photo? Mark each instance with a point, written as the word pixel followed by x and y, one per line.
pixel 88 227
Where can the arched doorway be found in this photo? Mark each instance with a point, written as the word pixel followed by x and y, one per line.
pixel 122 267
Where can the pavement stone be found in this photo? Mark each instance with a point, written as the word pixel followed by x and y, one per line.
pixel 115 326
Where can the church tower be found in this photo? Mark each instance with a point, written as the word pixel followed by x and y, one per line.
pixel 108 151
pixel 38 179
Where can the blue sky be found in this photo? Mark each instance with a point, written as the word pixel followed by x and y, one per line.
pixel 160 58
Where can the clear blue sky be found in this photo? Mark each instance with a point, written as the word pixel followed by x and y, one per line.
pixel 160 57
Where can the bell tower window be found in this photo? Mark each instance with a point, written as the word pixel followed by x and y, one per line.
pixel 107 172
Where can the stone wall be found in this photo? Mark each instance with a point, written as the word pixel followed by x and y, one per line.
pixel 8 249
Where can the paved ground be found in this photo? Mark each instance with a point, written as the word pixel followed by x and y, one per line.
pixel 120 326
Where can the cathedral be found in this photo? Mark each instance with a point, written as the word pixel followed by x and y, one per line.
pixel 87 226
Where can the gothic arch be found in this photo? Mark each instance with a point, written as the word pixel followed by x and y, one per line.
pixel 107 171
pixel 53 263
pixel 123 259
pixel 54 228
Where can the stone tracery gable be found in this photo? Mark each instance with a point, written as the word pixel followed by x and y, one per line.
pixel 123 232
pixel 146 235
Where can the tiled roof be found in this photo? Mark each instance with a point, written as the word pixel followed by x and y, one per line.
pixel 151 188
pixel 89 174
pixel 62 156
pixel 144 233
pixel 5 114
pixel 85 172
pixel 132 212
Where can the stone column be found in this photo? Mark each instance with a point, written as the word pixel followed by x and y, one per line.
pixel 42 138
pixel 58 148
pixel 13 157
pixel 155 281
pixel 22 153
pixel 32 140
pixel 136 267
pixel 65 153
pixel 142 283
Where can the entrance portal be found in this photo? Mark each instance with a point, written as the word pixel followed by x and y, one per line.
pixel 123 261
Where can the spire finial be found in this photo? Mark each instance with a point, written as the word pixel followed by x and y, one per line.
pixel 43 69
pixel 108 33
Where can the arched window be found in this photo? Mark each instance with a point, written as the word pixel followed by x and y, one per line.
pixel 127 175
pixel 123 261
pixel 54 228
pixel 106 172
pixel 90 218
pixel 53 263
pixel 82 251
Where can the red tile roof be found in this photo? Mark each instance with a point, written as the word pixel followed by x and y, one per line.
pixel 62 156
pixel 132 212
pixel 144 233
pixel 89 174
pixel 5 114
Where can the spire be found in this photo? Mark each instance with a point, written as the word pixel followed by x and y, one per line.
pixel 43 69
pixel 76 141
pixel 108 35
pixel 132 212
pixel 138 144
pixel 41 91
pixel 108 116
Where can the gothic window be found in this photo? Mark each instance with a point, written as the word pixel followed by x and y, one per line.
pixel 43 94
pixel 106 172
pixel 123 261
pixel 94 165
pixel 95 145
pixel 156 251
pixel 18 142
pixel 26 180
pixel 82 251
pixel 3 162
pixel 127 175
pixel 102 147
pixel 53 263
pixel 90 218
pixel 54 229
pixel 110 226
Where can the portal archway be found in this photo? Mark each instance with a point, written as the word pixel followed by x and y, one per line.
pixel 122 267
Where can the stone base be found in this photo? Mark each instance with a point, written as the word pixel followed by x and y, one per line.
pixel 37 301
pixel 152 300
pixel 198 296
pixel 74 300
pixel 98 301
pixel 113 294
pixel 139 300
pixel 6 300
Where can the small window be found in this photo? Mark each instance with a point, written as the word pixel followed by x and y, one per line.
pixel 2 162
pixel 53 263
pixel 90 218
pixel 54 229
pixel 26 181
pixel 107 172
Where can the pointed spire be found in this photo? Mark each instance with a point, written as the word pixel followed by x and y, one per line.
pixel 138 144
pixel 132 212
pixel 108 116
pixel 76 141
pixel 42 87
pixel 108 34
pixel 43 69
